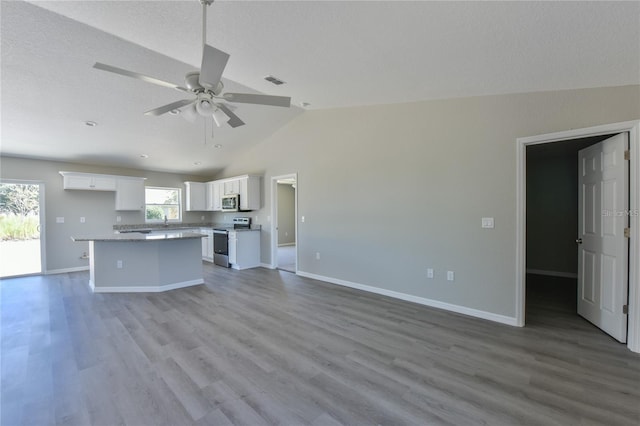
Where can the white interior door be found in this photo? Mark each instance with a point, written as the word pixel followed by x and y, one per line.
pixel 603 202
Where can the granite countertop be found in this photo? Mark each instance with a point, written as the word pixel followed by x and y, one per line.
pixel 140 237
pixel 178 226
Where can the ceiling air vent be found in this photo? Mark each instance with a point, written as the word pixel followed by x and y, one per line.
pixel 274 80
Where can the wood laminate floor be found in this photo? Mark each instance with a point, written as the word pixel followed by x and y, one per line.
pixel 260 347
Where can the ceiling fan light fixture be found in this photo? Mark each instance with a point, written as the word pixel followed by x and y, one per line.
pixel 205 107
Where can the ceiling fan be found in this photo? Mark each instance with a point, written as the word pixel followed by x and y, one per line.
pixel 205 85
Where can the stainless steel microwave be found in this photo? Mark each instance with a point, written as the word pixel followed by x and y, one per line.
pixel 231 203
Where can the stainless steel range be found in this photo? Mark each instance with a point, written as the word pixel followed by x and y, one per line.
pixel 221 240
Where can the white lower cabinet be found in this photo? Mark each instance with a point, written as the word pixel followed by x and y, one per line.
pixel 207 244
pixel 244 249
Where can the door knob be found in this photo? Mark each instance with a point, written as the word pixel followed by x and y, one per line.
pixel 579 241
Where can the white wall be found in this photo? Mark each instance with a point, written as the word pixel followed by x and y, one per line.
pixel 97 207
pixel 390 190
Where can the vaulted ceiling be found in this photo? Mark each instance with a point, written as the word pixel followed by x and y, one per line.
pixel 330 54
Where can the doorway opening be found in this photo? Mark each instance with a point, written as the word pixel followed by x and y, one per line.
pixel 630 129
pixel 21 226
pixel 551 230
pixel 284 241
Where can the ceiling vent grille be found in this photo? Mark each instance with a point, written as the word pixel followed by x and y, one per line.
pixel 274 80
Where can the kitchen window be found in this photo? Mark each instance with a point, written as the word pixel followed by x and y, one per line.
pixel 161 203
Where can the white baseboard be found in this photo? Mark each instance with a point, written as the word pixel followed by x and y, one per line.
pixel 286 244
pixel 503 319
pixel 66 270
pixel 552 273
pixel 143 289
pixel 267 265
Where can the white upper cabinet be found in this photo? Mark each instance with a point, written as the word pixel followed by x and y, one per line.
pixel 88 181
pixel 231 186
pixel 213 196
pixel 195 196
pixel 130 193
pixel 247 186
pixel 249 192
pixel 129 189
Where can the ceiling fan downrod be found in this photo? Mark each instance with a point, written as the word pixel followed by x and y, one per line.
pixel 204 3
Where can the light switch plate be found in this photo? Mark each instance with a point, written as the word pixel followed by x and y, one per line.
pixel 487 222
pixel 450 276
pixel 59 219
pixel 82 219
pixel 430 273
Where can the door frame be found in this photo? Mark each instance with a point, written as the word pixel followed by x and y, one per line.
pixel 274 217
pixel 42 217
pixel 633 128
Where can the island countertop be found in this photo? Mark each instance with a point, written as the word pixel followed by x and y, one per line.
pixel 141 237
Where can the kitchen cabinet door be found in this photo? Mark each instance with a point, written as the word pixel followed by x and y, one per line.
pixel 195 196
pixel 244 249
pixel 207 245
pixel 88 181
pixel 217 196
pixel 249 193
pixel 233 247
pixel 130 194
pixel 232 187
pixel 213 196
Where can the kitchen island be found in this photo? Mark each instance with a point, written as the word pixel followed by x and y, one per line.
pixel 139 262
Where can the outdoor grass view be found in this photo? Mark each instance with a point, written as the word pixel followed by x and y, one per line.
pixel 19 229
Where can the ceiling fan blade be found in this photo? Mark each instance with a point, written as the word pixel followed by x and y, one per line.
pixel 213 63
pixel 170 107
pixel 234 120
pixel 138 76
pixel 250 98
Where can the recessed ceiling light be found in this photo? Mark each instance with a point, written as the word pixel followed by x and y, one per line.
pixel 144 155
pixel 274 80
pixel 305 104
pixel 174 112
pixel 197 163
pixel 91 123
pixel 217 145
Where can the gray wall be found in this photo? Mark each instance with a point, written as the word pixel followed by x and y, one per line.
pixel 442 165
pixel 286 214
pixel 97 207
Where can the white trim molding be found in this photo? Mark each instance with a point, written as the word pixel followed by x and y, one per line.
pixel 503 319
pixel 144 289
pixel 633 128
pixel 66 270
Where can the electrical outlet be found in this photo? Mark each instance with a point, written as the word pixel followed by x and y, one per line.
pixel 201 217
pixel 487 222
pixel 119 264
pixel 59 219
pixel 450 276
pixel 302 219
pixel 430 273
pixel 118 218
pixel 317 255
pixel 82 219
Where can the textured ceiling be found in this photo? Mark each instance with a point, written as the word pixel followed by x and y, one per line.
pixel 330 54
